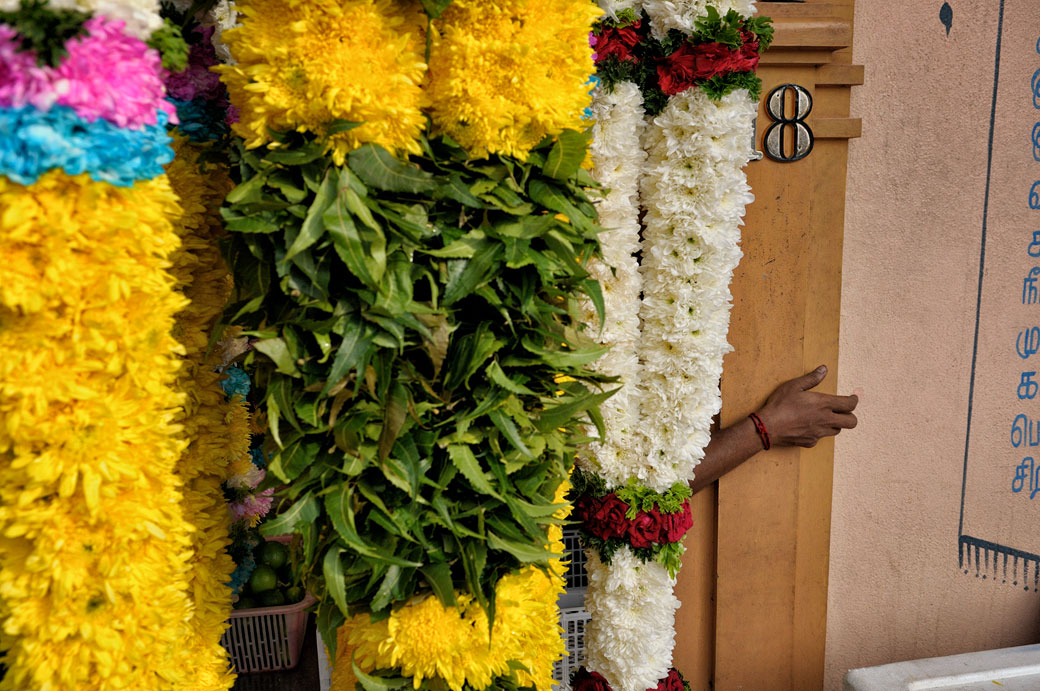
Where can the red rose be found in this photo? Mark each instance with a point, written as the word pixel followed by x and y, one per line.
pixel 585 680
pixel 645 529
pixel 603 517
pixel 679 522
pixel 691 63
pixel 673 682
pixel 748 58
pixel 618 42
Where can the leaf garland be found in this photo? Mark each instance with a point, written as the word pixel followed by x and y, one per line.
pixel 420 356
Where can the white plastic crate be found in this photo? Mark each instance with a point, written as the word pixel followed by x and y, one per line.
pixel 573 621
pixel 575 576
pixel 324 665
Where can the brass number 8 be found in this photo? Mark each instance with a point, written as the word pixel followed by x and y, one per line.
pixel 775 134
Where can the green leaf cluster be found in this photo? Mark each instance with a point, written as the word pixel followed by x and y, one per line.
pixel 410 320
pixel 170 44
pixel 712 28
pixel 45 31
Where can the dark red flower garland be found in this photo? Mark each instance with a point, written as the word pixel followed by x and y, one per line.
pixel 606 517
pixel 584 680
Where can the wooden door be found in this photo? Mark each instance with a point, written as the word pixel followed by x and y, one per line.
pixel 754 582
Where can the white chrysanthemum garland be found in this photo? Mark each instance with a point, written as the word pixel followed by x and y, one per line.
pixel 666 15
pixel 628 639
pixel 694 192
pixel 617 157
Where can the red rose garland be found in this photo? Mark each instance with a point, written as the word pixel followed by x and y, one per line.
pixel 606 518
pixel 584 680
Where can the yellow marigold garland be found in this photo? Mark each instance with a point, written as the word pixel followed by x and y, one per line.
pixel 505 74
pixel 214 427
pixel 425 639
pixel 93 548
pixel 303 63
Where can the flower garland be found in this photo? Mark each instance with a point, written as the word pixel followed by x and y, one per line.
pixel 112 569
pixel 650 523
pixel 716 52
pixel 617 157
pixel 505 75
pixel 94 562
pixel 693 192
pixel 214 426
pixel 100 110
pixel 297 80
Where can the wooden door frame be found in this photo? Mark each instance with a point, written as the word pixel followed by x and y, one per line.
pixel 754 583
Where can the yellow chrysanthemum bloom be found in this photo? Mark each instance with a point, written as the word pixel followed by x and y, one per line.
pixel 216 440
pixel 425 639
pixel 506 73
pixel 94 549
pixel 302 64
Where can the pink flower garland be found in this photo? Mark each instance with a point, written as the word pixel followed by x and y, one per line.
pixel 107 74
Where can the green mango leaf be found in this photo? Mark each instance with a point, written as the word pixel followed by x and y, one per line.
pixel 363 251
pixel 566 155
pixel 457 189
pixel 393 419
pixel 352 352
pixel 371 682
pixel 329 619
pixel 556 199
pixel 312 227
pixel 339 126
pixel 304 510
pixel 498 376
pixel 507 427
pixel 380 169
pixel 249 191
pixel 526 553
pixel 276 349
pixel 477 271
pixel 337 506
pixel 463 459
pixel 434 8
pixel 438 577
pixel 332 569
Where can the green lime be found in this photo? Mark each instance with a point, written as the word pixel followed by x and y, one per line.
pixel 272 598
pixel 274 554
pixel 263 579
pixel 293 594
pixel 245 602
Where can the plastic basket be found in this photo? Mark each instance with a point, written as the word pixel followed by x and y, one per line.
pixel 324 665
pixel 576 577
pixel 573 621
pixel 265 639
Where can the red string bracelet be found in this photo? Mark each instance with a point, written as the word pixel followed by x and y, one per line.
pixel 763 434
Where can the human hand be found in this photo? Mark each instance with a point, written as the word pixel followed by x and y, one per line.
pixel 795 416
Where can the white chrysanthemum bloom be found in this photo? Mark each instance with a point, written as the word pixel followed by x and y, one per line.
pixel 140 17
pixel 630 636
pixel 694 191
pixel 612 7
pixel 681 14
pixel 222 16
pixel 617 159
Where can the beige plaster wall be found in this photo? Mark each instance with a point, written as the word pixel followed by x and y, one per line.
pixel 916 188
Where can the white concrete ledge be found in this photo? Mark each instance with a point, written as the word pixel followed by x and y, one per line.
pixel 1007 669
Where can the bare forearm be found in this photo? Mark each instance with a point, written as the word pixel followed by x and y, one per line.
pixel 727 449
pixel 793 416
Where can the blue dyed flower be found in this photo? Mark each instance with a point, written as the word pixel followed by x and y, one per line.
pixel 33 142
pixel 587 115
pixel 235 382
pixel 258 457
pixel 201 120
